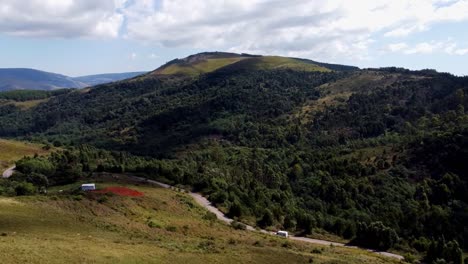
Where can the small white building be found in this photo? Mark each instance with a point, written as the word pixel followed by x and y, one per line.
pixel 282 234
pixel 88 187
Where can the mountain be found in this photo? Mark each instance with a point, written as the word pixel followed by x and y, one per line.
pixel 30 79
pixel 376 156
pixel 92 80
pixel 20 79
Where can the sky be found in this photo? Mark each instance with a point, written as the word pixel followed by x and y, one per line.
pixel 81 37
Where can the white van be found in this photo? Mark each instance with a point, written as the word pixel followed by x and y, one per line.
pixel 282 234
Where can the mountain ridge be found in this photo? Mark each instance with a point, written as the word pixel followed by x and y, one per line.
pixel 32 79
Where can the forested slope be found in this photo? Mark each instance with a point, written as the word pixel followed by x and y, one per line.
pixel 353 152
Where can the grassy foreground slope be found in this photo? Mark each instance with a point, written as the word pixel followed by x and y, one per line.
pixel 11 150
pixel 163 226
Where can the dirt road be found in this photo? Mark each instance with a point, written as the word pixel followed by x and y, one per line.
pixel 8 172
pixel 207 205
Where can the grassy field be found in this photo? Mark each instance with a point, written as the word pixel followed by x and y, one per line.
pixel 163 226
pixel 259 63
pixel 276 62
pixel 30 104
pixel 24 105
pixel 11 151
pixel 205 66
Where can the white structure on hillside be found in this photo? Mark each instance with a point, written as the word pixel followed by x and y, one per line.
pixel 88 187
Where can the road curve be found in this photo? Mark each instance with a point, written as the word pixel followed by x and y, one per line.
pixel 207 205
pixel 8 172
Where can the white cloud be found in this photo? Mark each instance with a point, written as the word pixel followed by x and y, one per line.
pixel 397 47
pixel 445 47
pixel 424 48
pixel 153 56
pixel 133 56
pixel 320 29
pixel 420 15
pixel 60 18
pixel 325 30
pixel 461 51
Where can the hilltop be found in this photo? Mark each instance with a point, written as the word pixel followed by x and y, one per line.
pixel 211 61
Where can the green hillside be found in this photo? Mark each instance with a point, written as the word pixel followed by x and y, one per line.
pixel 375 156
pixel 163 226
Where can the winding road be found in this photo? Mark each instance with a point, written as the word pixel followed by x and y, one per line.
pixel 202 201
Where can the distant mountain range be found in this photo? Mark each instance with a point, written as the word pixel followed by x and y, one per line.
pixel 92 80
pixel 31 79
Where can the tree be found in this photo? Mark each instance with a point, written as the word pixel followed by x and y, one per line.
pixel 289 222
pixel 235 210
pixel 266 220
pixel 375 235
pixel 38 179
pixel 441 250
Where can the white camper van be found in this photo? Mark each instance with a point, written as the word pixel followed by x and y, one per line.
pixel 282 234
pixel 88 187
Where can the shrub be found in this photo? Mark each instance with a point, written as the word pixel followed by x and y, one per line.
pixel 238 226
pixel 153 224
pixel 421 244
pixel 171 228
pixel 316 251
pixel 103 199
pixel 286 245
pixel 410 258
pixel 210 216
pixel 258 244
pixel 208 246
pixel 77 197
pixel 24 188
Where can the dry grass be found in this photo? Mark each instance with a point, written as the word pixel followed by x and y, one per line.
pixel 337 93
pixel 276 62
pixel 262 63
pixel 30 104
pixel 61 228
pixel 204 66
pixel 24 105
pixel 11 151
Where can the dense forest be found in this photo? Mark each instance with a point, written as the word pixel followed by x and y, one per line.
pixel 377 156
